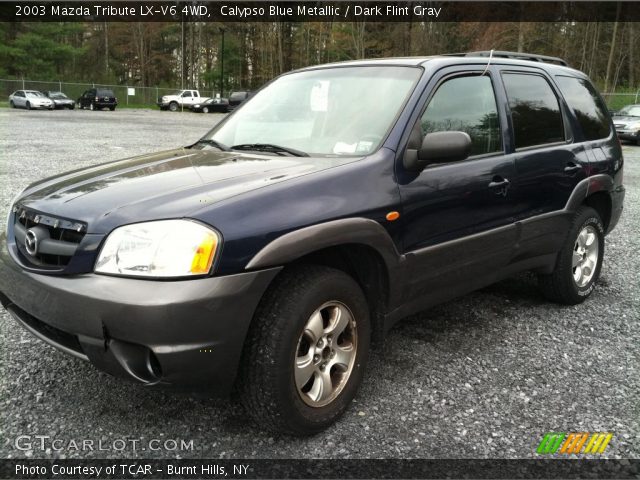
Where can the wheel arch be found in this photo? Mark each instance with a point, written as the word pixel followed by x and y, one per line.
pixel 601 203
pixel 360 247
pixel 595 192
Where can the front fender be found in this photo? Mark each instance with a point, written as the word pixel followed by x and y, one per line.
pixel 299 243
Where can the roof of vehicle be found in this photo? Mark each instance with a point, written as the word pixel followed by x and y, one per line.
pixel 551 64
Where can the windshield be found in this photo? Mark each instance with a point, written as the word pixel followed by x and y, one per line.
pixel 34 94
pixel 337 111
pixel 57 95
pixel 630 111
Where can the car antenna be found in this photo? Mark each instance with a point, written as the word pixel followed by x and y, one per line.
pixel 488 63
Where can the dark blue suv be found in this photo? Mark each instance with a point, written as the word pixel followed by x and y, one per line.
pixel 265 258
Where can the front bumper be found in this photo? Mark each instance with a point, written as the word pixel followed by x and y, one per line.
pixel 187 334
pixel 632 135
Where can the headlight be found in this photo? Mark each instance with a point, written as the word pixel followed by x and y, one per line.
pixel 164 99
pixel 11 205
pixel 164 248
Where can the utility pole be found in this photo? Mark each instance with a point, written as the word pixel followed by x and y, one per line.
pixel 221 63
pixel 184 60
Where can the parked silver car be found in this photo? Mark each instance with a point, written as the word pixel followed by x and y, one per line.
pixel 627 123
pixel 29 99
pixel 60 100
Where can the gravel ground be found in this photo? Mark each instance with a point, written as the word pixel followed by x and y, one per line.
pixel 484 376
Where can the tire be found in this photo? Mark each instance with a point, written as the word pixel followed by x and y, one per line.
pixel 11 104
pixel 28 105
pixel 112 108
pixel 579 261
pixel 205 109
pixel 281 336
pixel 173 106
pixel 92 107
pixel 71 107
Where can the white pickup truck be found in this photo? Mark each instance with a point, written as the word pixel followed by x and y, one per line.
pixel 180 100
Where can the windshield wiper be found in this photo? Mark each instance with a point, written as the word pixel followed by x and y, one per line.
pixel 268 147
pixel 213 143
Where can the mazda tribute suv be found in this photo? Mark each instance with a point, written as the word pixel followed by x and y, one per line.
pixel 266 258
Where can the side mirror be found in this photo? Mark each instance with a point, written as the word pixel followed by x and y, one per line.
pixel 438 147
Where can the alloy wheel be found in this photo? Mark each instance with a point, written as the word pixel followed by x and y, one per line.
pixel 585 256
pixel 326 354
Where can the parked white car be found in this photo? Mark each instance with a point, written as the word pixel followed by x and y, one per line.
pixel 180 100
pixel 30 99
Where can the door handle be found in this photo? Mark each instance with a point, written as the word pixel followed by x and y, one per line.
pixel 500 185
pixel 499 182
pixel 572 168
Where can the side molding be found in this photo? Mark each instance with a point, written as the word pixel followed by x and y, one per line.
pixel 298 243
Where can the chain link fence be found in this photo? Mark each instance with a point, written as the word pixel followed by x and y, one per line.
pixel 126 94
pixel 615 101
pixel 147 96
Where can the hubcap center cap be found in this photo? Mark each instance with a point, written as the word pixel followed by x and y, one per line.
pixel 326 353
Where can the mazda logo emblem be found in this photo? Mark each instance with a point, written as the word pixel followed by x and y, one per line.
pixel 31 243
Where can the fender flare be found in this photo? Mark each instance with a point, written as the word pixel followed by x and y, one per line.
pixel 298 243
pixel 586 187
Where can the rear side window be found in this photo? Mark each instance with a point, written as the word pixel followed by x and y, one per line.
pixel 587 105
pixel 466 104
pixel 535 112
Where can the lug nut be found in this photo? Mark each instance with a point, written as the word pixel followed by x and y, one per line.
pixel 316 358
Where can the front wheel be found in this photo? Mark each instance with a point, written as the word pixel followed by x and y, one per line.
pixel 11 104
pixel 579 261
pixel 306 351
pixel 28 105
pixel 173 106
pixel 205 109
pixel 92 107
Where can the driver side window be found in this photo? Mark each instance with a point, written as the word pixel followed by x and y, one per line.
pixel 466 104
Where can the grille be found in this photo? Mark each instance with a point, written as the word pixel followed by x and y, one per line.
pixel 46 241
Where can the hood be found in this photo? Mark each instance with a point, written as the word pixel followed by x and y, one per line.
pixel 170 184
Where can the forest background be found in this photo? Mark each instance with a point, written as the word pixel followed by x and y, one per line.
pixel 221 57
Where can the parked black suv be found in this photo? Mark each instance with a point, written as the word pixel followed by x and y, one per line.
pixel 341 198
pixel 97 99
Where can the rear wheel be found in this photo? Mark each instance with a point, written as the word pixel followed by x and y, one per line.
pixel 112 108
pixel 306 351
pixel 579 262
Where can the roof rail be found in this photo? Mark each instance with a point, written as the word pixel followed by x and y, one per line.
pixel 518 55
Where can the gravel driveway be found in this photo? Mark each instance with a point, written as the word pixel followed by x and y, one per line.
pixel 482 376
